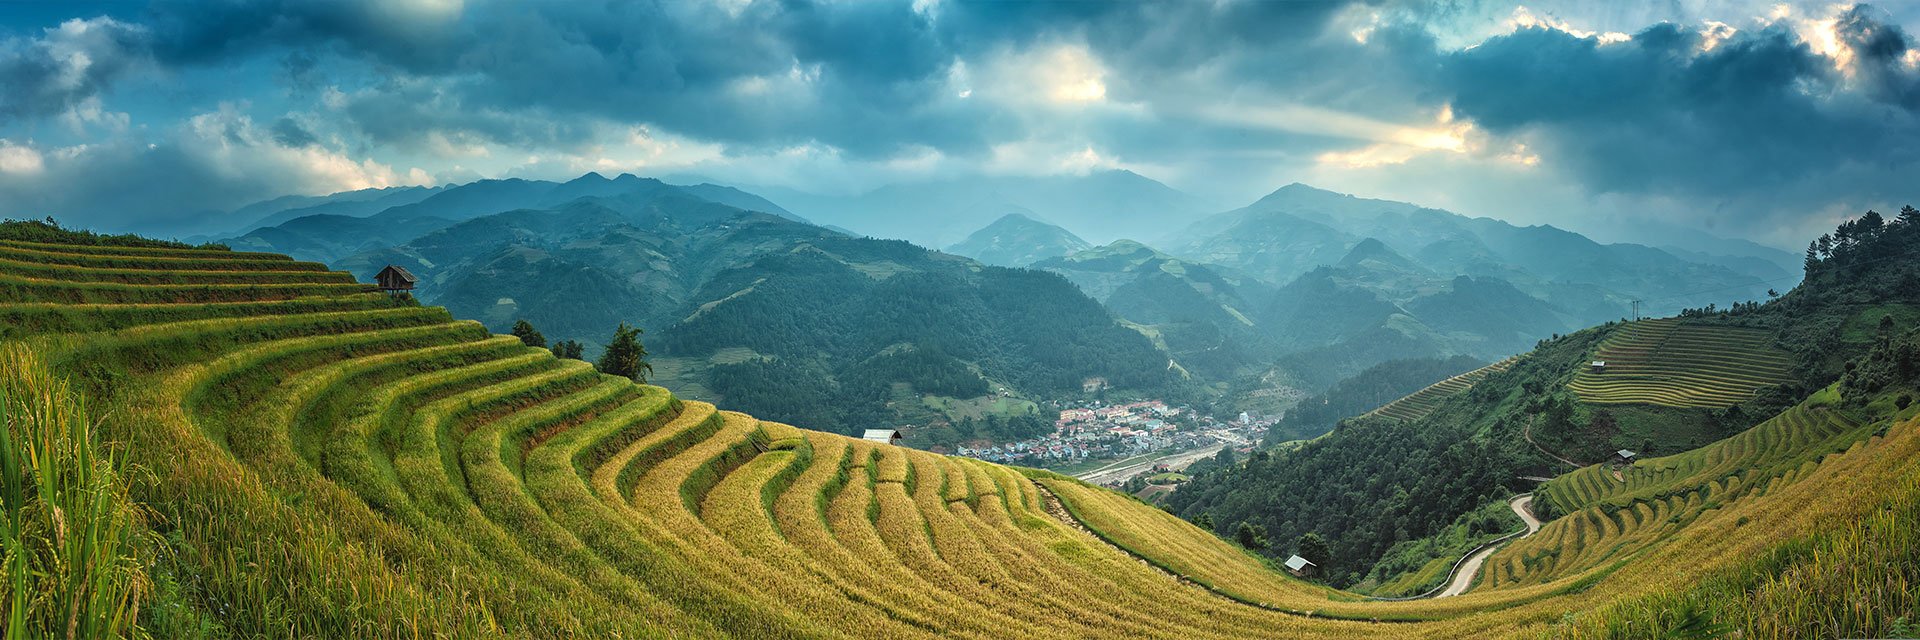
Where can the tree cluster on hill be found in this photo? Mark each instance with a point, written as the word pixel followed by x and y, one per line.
pixel 625 356
pixel 528 335
pixel 49 230
pixel 629 360
pixel 929 371
pixel 1893 362
pixel 570 349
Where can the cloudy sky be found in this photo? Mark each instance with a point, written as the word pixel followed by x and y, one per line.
pixel 1753 119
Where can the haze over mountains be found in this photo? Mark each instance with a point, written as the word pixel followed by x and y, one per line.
pixel 1302 288
pixel 1100 206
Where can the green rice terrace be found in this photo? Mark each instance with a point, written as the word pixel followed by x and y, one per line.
pixel 293 454
pixel 1424 402
pixel 1676 363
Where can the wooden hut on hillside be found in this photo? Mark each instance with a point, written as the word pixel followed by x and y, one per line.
pixel 1623 457
pixel 882 436
pixel 395 279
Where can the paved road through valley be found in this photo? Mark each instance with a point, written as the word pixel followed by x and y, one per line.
pixel 1176 461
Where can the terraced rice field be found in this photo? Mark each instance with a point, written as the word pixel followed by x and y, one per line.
pixel 330 463
pixel 1616 511
pixel 1424 402
pixel 1675 363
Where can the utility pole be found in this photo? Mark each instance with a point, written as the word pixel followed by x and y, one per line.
pixel 1636 311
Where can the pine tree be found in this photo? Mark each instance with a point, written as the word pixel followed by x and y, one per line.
pixel 1909 215
pixel 625 355
pixel 528 335
pixel 1871 224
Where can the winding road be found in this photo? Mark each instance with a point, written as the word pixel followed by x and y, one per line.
pixel 1463 579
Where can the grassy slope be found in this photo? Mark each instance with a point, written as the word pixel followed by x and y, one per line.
pixel 363 470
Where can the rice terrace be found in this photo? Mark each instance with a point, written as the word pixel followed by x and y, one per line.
pixel 1671 362
pixel 897 319
pixel 389 456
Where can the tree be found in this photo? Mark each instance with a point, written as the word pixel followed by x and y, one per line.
pixel 625 355
pixel 1909 215
pixel 528 335
pixel 1314 548
pixel 569 349
pixel 1251 536
pixel 1871 223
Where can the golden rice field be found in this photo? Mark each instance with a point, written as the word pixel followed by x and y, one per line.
pixel 1424 402
pixel 322 461
pixel 1676 363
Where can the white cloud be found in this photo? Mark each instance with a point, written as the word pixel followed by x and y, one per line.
pixel 230 143
pixel 89 113
pixel 1056 74
pixel 20 159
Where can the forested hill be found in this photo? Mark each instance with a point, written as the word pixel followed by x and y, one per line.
pixel 1377 481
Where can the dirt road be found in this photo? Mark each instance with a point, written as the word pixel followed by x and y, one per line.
pixel 1462 580
pixel 1528 434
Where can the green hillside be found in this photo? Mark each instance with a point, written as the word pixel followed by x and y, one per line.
pixel 1375 484
pixel 288 458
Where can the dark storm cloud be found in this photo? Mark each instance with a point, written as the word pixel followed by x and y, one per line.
pixel 868 78
pixel 1758 113
pixel 419 82
pixel 1878 50
pixel 290 134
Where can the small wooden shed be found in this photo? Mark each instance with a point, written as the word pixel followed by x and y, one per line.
pixel 882 436
pixel 1300 567
pixel 1598 366
pixel 395 279
pixel 1623 457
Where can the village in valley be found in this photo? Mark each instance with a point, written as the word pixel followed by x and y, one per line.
pixel 1112 444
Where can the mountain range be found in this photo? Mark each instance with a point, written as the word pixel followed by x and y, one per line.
pixel 1100 206
pixel 1305 286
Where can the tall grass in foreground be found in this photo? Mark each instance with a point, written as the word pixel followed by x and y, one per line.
pixel 72 538
pixel 1858 580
